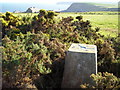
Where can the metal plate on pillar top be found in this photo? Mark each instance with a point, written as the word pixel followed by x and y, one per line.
pixel 85 48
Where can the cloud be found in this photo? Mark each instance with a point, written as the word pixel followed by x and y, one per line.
pixel 90 0
pixel 53 1
pixel 28 1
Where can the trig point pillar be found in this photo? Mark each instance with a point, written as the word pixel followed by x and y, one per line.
pixel 80 63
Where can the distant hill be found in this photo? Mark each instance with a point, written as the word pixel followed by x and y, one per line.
pixel 87 7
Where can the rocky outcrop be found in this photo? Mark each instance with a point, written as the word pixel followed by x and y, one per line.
pixel 32 10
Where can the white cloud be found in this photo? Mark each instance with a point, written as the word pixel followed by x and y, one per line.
pixel 28 1
pixel 54 1
pixel 91 0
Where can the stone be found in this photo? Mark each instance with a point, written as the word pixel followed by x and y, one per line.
pixel 80 63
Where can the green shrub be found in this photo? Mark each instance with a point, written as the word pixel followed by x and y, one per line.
pixel 34 47
pixel 79 18
pixel 42 12
pixel 104 81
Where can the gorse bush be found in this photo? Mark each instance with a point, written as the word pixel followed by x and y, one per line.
pixel 103 81
pixel 23 58
pixel 30 53
pixel 13 25
pixel 34 48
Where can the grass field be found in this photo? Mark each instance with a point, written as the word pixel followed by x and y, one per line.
pixel 107 21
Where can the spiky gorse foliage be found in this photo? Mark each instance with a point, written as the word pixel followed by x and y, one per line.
pixel 36 49
pixel 30 53
pixel 104 81
pixel 13 25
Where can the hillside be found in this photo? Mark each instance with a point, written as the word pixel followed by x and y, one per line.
pixel 86 7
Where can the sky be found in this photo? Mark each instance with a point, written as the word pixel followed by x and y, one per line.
pixel 22 5
pixel 53 1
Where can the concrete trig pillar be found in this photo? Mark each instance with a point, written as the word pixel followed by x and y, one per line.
pixel 80 63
